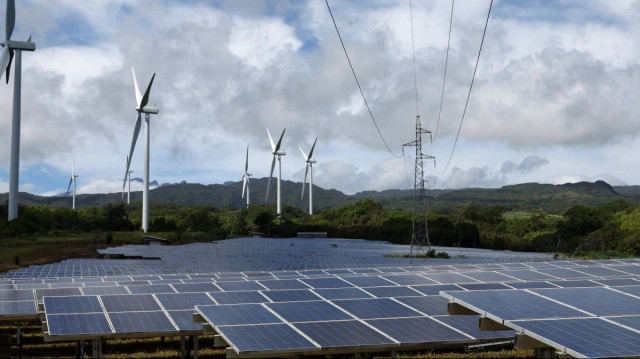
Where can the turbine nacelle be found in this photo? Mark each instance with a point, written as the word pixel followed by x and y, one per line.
pixel 19 45
pixel 148 109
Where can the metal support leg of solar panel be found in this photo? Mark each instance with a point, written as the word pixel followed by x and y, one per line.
pixel 420 231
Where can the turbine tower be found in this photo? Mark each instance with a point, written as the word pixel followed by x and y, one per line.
pixel 245 177
pixel 275 149
pixel 73 180
pixel 309 170
pixel 420 231
pixel 10 49
pixel 141 102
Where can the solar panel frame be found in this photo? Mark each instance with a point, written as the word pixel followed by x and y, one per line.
pixel 237 314
pixel 87 325
pixel 311 311
pixel 418 330
pixel 147 323
pixel 72 304
pixel 376 308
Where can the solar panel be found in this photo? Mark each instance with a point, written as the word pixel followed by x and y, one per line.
pixel 240 285
pixel 183 301
pixel 238 297
pixel 527 274
pixel 72 304
pixel 18 307
pixel 599 300
pixel 150 288
pixel 630 321
pixel 196 287
pixel 290 295
pixel 141 322
pixel 435 289
pixel 449 278
pixel 617 282
pixel 396 291
pixel 408 279
pixel 326 283
pixel 483 286
pixel 116 289
pixel 18 294
pixel 129 303
pixel 430 305
pixel 283 284
pixel 184 320
pixel 532 284
pixel 587 337
pixel 265 338
pixel 308 311
pixel 469 325
pixel 56 292
pixel 418 330
pixel 236 314
pixel 376 308
pixel 565 273
pixel 78 324
pixel 344 333
pixel 513 304
pixel 600 271
pixel 633 290
pixel 368 281
pixel 488 276
pixel 575 283
pixel 342 293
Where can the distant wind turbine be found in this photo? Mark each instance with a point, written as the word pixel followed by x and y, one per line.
pixel 73 180
pixel 275 149
pixel 309 170
pixel 127 179
pixel 245 178
pixel 141 102
pixel 10 49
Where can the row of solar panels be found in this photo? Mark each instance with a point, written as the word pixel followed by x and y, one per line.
pixel 590 322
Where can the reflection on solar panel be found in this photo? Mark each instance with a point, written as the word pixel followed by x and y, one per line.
pixel 237 314
pixel 344 333
pixel 308 311
pixel 376 308
pixel 72 304
pixel 431 305
pixel 141 322
pixel 76 324
pixel 264 338
pixel 417 330
pixel 587 337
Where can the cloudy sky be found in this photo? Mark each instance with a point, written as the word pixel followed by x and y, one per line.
pixel 556 97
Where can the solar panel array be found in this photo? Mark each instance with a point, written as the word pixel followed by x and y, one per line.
pixel 589 321
pixel 297 307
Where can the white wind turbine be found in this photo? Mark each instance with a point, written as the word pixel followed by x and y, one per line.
pixel 73 180
pixel 245 178
pixel 128 180
pixel 141 102
pixel 11 48
pixel 275 149
pixel 309 170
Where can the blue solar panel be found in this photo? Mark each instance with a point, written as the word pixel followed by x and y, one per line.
pixel 449 278
pixel 514 304
pixel 631 321
pixel 290 295
pixel 196 287
pixel 417 330
pixel 430 305
pixel 387 292
pixel 589 337
pixel 184 320
pixel 265 338
pixel 283 284
pixel 575 283
pixel 183 301
pixel 56 292
pixel 236 314
pixel 342 293
pixel 238 297
pixel 151 288
pixel 240 285
pixel 19 307
pixel 488 276
pixel 408 279
pixel 565 273
pixel 308 311
pixel 141 322
pixel 116 289
pixel 527 274
pixel 19 294
pixel 326 283
pixel 483 286
pixel 344 333
pixel 72 304
pixel 533 284
pixel 129 303
pixel 435 289
pixel 368 281
pixel 633 290
pixel 376 308
pixel 469 325
pixel 78 324
pixel 599 300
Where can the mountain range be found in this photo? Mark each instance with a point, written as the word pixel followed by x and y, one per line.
pixel 527 196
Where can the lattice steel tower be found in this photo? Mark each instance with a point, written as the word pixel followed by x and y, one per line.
pixel 420 232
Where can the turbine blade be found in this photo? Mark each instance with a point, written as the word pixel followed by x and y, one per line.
pixel 305 180
pixel 145 97
pixel 11 18
pixel 303 154
pixel 4 60
pixel 136 131
pixel 69 186
pixel 273 166
pixel 135 84
pixel 246 163
pixel 273 145
pixel 9 65
pixel 244 184
pixel 312 147
pixel 280 141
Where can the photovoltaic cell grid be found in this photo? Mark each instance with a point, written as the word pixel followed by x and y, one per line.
pixel 595 322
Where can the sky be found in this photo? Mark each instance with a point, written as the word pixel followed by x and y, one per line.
pixel 555 99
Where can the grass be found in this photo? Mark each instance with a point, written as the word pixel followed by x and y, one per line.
pixel 591 255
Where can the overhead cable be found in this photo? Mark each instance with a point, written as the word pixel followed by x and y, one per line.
pixel 446 63
pixel 470 87
pixel 358 82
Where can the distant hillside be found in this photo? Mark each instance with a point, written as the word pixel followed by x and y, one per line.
pixel 527 196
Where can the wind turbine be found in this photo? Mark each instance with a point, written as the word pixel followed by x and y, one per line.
pixel 309 170
pixel 245 178
pixel 141 102
pixel 275 149
pixel 10 49
pixel 127 178
pixel 73 180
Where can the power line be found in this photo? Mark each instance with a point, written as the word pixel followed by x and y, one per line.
pixel 446 64
pixel 413 50
pixel 470 87
pixel 358 82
